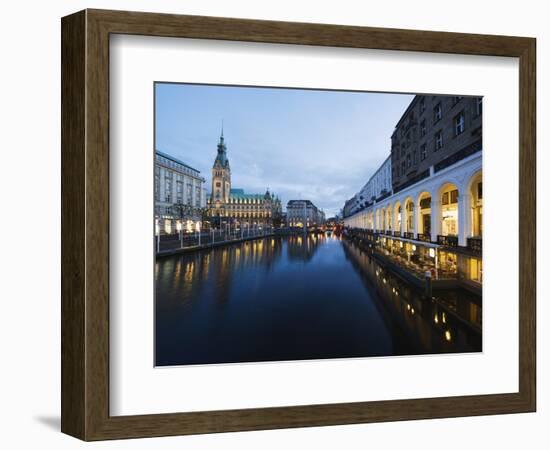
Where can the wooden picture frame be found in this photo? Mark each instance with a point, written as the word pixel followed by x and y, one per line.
pixel 85 224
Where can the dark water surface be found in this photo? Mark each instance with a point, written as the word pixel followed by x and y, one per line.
pixel 298 297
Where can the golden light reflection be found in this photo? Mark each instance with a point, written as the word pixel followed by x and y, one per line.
pixel 448 336
pixel 436 319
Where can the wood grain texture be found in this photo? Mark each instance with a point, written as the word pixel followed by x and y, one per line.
pixel 85 224
pixel 73 108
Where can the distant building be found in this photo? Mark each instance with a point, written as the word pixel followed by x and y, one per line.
pixel 351 206
pixel 180 195
pixel 235 206
pixel 303 212
pixel 378 187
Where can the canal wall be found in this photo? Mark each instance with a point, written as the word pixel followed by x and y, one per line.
pixel 194 248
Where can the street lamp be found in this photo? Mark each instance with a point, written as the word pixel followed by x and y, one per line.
pixel 157 233
pixel 179 228
pixel 198 227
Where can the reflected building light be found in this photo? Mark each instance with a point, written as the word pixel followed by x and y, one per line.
pixel 436 319
pixel 448 335
pixel 432 253
pixel 443 318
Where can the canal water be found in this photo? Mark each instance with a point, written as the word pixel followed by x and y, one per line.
pixel 300 297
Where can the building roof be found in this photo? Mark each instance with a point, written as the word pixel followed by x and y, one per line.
pixel 297 202
pixel 176 160
pixel 239 193
pixel 406 113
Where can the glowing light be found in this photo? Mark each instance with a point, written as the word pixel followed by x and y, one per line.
pixel 384 281
pixel 178 226
pixel 448 336
pixel 443 318
pixel 414 248
pixel 198 226
pixel 436 319
pixel 432 253
pixel 412 310
pixel 401 244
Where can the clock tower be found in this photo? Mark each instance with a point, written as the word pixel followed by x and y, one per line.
pixel 221 177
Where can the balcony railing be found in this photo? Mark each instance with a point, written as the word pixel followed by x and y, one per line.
pixel 408 235
pixel 423 237
pixel 474 244
pixel 397 233
pixel 448 241
pixel 461 154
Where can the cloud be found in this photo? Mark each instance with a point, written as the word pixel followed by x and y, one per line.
pixel 318 145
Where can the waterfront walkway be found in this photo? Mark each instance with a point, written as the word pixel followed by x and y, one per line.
pixel 173 244
pixel 173 247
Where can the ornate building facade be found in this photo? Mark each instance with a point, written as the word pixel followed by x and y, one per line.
pixel 235 206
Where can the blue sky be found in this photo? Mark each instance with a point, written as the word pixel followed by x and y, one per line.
pixel 312 144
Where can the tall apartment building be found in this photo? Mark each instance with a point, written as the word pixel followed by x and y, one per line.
pixel 435 130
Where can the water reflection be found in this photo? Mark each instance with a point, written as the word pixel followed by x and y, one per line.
pixel 299 297
pixel 450 322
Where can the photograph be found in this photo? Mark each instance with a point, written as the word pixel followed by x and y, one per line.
pixel 297 224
